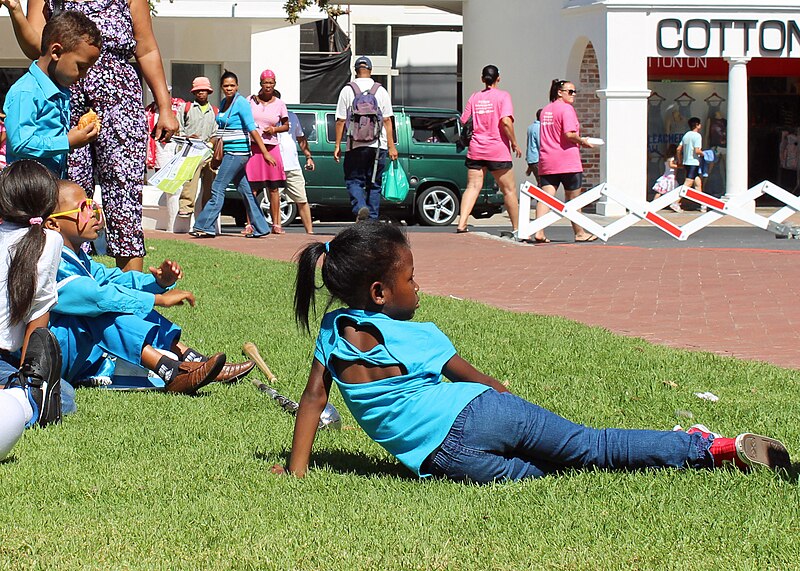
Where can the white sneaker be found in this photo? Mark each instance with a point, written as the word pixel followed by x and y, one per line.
pixel 704 209
pixel 676 207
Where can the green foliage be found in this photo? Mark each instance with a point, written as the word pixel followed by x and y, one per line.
pixel 294 8
pixel 156 481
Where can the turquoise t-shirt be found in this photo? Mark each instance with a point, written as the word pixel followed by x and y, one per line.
pixel 409 415
pixel 691 141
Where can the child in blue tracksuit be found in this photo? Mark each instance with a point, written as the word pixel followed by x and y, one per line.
pixel 389 371
pixel 103 310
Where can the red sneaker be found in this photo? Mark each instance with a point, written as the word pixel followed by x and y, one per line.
pixel 748 450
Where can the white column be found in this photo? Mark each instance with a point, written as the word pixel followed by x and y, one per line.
pixel 623 159
pixel 736 169
pixel 284 60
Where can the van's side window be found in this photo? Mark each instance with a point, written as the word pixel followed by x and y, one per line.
pixel 308 121
pixel 331 120
pixel 434 129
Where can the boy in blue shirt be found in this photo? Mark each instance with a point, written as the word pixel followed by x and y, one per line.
pixel 103 310
pixel 37 106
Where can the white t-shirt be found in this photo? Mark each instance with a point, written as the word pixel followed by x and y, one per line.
pixel 287 141
pixel 12 336
pixel 345 104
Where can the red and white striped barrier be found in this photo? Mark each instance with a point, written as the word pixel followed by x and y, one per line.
pixel 638 210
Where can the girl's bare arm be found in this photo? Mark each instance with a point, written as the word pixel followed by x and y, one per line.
pixel 312 403
pixel 459 370
pixel 149 58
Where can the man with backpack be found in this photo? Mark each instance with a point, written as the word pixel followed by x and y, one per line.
pixel 197 120
pixel 364 116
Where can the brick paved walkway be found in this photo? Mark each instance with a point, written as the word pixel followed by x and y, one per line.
pixel 728 301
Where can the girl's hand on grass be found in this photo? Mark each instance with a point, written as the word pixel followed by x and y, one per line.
pixel 167 273
pixel 174 297
pixel 279 470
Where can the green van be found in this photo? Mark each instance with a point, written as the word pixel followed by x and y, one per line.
pixel 426 142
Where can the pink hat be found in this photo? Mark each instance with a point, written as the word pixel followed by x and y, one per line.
pixel 267 74
pixel 201 84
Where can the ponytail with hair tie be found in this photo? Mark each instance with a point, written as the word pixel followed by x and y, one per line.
pixel 28 195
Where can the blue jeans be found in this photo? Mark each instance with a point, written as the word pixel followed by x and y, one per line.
pixel 231 170
pixel 359 166
pixel 500 436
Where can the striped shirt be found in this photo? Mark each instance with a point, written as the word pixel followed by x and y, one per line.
pixel 235 123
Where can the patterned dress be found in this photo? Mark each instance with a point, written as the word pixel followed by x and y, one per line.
pixel 116 161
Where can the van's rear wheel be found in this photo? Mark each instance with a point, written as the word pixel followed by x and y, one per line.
pixel 437 206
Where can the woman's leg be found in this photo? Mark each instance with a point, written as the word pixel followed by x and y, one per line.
pixel 275 206
pixel 506 437
pixel 505 180
pixel 580 232
pixel 257 220
pixel 470 196
pixel 206 221
pixel 542 209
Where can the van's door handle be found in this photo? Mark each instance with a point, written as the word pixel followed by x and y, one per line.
pixel 414 157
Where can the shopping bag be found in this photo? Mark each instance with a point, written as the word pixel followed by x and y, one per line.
pixel 394 186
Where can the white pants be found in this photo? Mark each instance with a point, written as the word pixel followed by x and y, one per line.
pixel 15 412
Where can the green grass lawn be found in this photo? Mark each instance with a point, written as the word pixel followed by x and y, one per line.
pixel 156 481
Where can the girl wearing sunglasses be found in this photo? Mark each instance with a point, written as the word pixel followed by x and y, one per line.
pixel 102 310
pixel 559 152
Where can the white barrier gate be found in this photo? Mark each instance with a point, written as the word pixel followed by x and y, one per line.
pixel 648 211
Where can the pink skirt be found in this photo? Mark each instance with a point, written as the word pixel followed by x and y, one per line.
pixel 259 171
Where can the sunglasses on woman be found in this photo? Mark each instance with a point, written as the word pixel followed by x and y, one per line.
pixel 569 91
pixel 86 210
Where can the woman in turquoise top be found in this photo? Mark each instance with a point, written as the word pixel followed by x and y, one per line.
pixel 236 125
pixel 389 371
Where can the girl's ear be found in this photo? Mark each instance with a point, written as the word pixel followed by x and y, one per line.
pixel 376 293
pixel 51 224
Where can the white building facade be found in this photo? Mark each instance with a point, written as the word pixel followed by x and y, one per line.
pixel 628 56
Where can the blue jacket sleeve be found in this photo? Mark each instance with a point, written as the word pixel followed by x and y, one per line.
pixel 25 139
pixel 86 297
pixel 132 280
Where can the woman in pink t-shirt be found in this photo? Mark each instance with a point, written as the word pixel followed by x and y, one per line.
pixel 490 149
pixel 559 152
pixel 272 117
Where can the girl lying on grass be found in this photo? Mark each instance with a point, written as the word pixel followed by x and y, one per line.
pixel 389 371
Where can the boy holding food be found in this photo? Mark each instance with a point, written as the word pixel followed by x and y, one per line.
pixel 37 105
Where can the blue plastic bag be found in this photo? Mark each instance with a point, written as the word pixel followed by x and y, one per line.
pixel 394 186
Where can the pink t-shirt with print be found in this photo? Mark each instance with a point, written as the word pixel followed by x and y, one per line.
pixel 487 108
pixel 268 115
pixel 557 154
